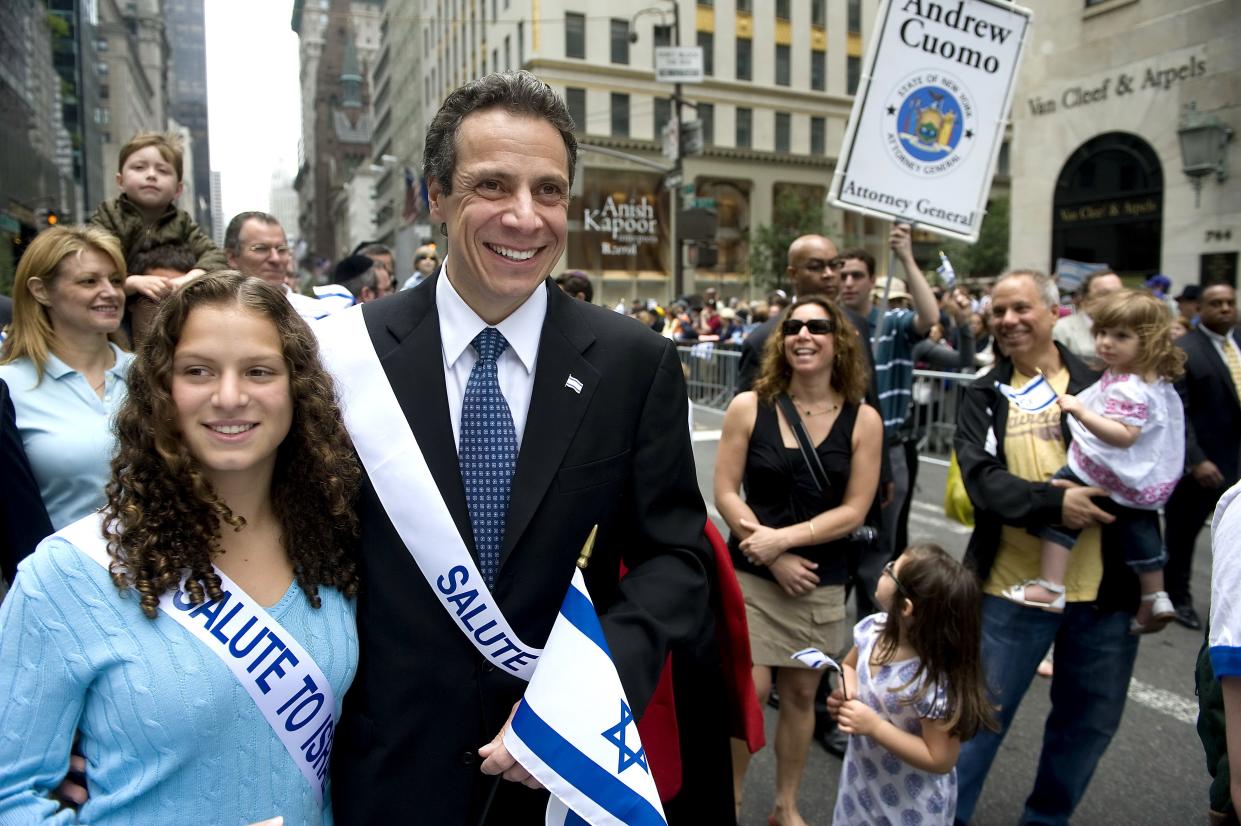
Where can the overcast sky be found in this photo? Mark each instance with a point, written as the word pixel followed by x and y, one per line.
pixel 253 96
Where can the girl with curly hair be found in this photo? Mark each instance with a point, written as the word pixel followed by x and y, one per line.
pixel 788 537
pixel 1128 439
pixel 233 462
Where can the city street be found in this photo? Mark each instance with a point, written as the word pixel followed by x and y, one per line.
pixel 1154 772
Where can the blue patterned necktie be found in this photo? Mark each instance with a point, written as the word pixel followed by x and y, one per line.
pixel 487 453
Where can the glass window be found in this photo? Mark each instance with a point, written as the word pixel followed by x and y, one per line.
pixel 818 12
pixel 783 128
pixel 855 16
pixel 782 65
pixel 663 114
pixel 575 100
pixel 855 74
pixel 818 70
pixel 574 35
pixel 706 40
pixel 663 35
pixel 620 115
pixel 508 54
pixel 745 51
pixel 706 114
pixel 745 127
pixel 818 135
pixel 620 41
pixel 782 9
pixel 745 5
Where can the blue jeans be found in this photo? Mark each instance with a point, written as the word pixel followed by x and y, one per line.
pixel 1094 660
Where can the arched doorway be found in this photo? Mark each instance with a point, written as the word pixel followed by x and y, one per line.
pixel 1108 206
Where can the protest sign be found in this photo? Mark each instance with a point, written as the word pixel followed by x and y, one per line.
pixel 929 115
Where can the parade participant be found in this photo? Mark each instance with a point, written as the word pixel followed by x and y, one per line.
pixel 256 245
pixel 913 692
pixel 1007 457
pixel 1211 392
pixel 228 510
pixel 64 369
pixel 426 262
pixel 789 535
pixel 1129 439
pixel 145 214
pixel 171 262
pixel 464 570
pixel 1075 331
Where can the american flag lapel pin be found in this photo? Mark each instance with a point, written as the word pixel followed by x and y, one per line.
pixel 574 384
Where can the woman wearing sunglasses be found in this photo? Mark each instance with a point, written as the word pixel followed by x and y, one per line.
pixel 789 534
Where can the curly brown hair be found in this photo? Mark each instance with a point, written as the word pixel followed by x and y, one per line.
pixel 945 630
pixel 1151 321
pixel 849 377
pixel 163 519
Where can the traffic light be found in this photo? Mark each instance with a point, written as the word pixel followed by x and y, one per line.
pixel 45 218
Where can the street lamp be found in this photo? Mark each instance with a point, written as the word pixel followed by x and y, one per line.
pixel 1204 147
pixel 675 175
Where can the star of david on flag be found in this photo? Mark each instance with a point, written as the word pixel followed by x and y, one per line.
pixel 1032 397
pixel 575 732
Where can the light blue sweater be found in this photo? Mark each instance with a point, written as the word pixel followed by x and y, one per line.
pixel 169 734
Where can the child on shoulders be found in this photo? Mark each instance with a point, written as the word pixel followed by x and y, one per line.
pixel 145 214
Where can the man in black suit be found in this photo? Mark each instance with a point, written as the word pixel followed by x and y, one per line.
pixel 23 519
pixel 598 407
pixel 1210 389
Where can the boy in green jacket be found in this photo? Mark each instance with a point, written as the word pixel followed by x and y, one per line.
pixel 144 215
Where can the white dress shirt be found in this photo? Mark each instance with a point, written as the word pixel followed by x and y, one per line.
pixel 515 368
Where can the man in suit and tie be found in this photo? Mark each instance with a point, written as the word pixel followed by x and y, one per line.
pixel 1210 389
pixel 538 416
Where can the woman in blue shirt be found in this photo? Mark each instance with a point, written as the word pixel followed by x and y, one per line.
pixel 234 478
pixel 63 367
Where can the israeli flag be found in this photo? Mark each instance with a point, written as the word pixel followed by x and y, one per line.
pixel 1033 397
pixel 574 730
pixel 945 270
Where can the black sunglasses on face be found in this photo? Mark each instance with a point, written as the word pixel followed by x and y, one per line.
pixel 890 570
pixel 816 326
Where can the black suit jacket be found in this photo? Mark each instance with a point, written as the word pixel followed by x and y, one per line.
pixel 23 519
pixel 617 454
pixel 1212 409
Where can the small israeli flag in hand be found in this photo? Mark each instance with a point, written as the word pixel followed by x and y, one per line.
pixel 1033 397
pixel 575 732
pixel 945 270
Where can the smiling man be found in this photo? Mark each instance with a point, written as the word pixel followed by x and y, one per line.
pixel 537 417
pixel 1007 458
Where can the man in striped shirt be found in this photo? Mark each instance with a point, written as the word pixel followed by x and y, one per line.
pixel 892 339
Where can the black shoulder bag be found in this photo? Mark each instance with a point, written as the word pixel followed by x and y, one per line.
pixel 864 539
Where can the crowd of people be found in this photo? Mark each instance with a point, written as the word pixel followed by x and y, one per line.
pixel 275 553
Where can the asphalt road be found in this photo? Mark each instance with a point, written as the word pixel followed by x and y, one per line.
pixel 1153 773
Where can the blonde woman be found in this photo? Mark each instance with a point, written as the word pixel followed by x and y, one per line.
pixel 64 366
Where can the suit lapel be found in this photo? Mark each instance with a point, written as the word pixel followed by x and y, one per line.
pixel 409 348
pixel 1217 361
pixel 556 410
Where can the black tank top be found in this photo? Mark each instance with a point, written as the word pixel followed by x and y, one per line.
pixel 780 489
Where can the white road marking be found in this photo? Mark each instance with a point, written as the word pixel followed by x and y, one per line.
pixel 705 435
pixel 932 515
pixel 1173 705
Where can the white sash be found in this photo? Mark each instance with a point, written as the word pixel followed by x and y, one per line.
pixel 289 688
pixel 397 469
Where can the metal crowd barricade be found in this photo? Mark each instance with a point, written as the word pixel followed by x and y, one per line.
pixel 711 375
pixel 710 372
pixel 933 412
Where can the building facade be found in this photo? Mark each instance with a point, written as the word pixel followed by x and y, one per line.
pixel 339 41
pixel 1097 164
pixel 187 98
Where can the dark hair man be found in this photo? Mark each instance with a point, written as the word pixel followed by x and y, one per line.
pixel 1210 389
pixel 598 406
